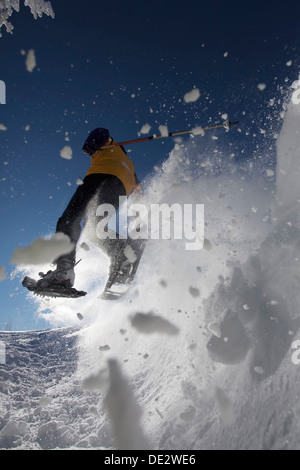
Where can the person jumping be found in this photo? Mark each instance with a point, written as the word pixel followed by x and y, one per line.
pixel 111 175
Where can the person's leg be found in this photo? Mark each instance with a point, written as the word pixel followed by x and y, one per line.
pixel 70 221
pixel 69 224
pixel 109 192
pixel 122 252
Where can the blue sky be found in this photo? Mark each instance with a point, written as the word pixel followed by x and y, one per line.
pixel 120 65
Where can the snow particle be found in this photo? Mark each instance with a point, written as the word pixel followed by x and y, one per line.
pixel 261 86
pixel 164 132
pixel 198 130
pixel 259 370
pixel 85 246
pixel 192 95
pixel 104 348
pixel 3 128
pixel 145 129
pixel 215 329
pixel 66 152
pixel 194 291
pixel 30 60
pixel 270 172
pixel 130 254
pixel 207 245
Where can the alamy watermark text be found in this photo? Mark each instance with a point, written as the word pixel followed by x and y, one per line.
pixel 157 221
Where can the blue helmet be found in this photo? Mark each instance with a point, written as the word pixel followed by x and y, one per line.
pixel 96 139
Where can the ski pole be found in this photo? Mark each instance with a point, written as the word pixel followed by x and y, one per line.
pixel 227 125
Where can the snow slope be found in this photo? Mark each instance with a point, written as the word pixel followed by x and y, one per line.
pixel 198 354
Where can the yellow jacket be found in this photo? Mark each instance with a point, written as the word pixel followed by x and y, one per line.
pixel 114 161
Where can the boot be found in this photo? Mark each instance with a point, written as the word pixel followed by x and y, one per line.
pixel 63 275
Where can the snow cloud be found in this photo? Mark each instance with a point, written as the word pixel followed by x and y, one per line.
pixel 149 323
pixel 43 250
pixel 96 381
pixel 124 411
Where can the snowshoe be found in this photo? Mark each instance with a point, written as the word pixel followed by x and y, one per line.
pixel 121 276
pixel 58 289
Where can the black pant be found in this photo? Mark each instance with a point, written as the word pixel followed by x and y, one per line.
pixel 96 189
